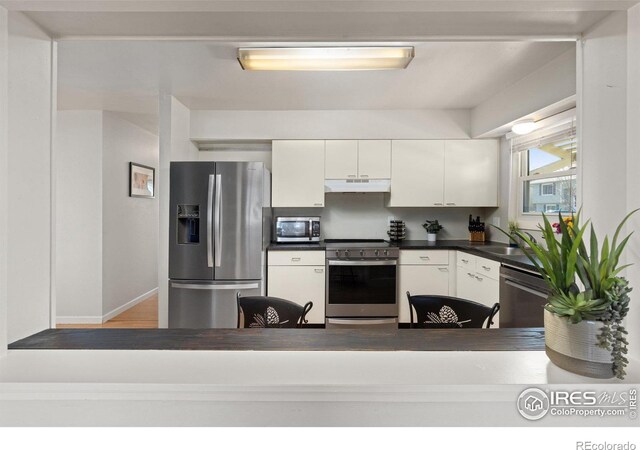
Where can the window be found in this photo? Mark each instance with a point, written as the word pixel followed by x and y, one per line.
pixel 547 189
pixel 546 162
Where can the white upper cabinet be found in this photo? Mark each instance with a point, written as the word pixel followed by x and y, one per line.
pixel 374 159
pixel 298 173
pixel 341 160
pixel 471 173
pixel 417 173
pixel 351 159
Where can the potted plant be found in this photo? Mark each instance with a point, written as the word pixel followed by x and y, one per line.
pixel 583 324
pixel 432 227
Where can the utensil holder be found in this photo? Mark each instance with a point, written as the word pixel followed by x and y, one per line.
pixel 476 236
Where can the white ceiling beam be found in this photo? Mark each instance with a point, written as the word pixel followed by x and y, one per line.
pixel 316 5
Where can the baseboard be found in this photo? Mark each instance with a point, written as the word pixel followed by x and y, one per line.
pixel 79 320
pixel 98 320
pixel 119 310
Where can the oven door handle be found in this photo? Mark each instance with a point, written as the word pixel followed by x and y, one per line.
pixel 361 321
pixel 384 262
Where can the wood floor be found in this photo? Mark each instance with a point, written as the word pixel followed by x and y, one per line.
pixel 143 315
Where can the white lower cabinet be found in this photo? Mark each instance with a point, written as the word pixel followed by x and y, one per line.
pixel 298 283
pixel 477 280
pixel 425 272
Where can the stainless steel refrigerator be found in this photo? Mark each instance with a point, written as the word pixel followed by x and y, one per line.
pixel 219 229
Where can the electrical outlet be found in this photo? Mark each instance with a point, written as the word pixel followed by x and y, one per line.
pixel 496 221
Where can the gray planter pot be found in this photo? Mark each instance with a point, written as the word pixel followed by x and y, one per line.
pixel 573 347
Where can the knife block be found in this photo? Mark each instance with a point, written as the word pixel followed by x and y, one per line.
pixel 476 236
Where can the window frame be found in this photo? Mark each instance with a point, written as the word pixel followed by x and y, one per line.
pixel 520 177
pixel 521 181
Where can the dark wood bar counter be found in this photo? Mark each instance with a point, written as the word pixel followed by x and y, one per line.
pixel 505 339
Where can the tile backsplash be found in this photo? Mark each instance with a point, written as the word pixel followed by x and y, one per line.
pixel 365 216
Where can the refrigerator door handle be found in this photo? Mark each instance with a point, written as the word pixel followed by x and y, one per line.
pixel 218 241
pixel 210 222
pixel 214 287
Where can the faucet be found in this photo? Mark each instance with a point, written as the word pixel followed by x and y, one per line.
pixel 531 237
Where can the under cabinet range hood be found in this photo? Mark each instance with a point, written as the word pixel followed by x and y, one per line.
pixel 357 185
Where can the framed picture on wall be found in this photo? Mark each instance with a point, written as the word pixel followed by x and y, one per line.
pixel 141 181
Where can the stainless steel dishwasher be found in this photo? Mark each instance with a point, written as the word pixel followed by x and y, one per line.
pixel 523 294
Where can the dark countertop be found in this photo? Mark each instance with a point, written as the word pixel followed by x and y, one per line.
pixel 475 248
pixel 465 339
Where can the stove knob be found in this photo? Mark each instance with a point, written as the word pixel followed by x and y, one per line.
pixel 346 253
pixel 386 253
pixel 361 252
pixel 376 252
pixel 337 253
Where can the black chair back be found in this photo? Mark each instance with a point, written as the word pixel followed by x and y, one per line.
pixel 439 311
pixel 270 312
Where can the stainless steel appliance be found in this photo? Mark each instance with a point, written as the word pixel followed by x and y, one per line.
pixel 361 284
pixel 297 229
pixel 523 294
pixel 219 228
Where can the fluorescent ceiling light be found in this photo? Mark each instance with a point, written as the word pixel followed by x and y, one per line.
pixel 523 127
pixel 325 58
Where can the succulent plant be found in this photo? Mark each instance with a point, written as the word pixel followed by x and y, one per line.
pixel 604 296
pixel 432 226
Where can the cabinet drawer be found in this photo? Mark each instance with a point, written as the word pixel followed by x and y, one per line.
pixel 296 258
pixel 488 268
pixel 466 260
pixel 424 257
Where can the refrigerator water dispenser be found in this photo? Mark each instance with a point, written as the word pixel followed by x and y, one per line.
pixel 188 224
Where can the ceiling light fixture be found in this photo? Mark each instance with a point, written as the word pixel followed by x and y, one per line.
pixel 325 58
pixel 523 127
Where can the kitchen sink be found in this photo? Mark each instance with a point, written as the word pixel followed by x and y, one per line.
pixel 508 251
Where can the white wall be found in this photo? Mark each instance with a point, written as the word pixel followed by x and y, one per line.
pixel 79 217
pixel 500 216
pixel 610 156
pixel 29 205
pixel 551 83
pixel 633 169
pixel 174 123
pixel 4 175
pixel 373 124
pixel 130 224
pixel 603 123
pixel 263 156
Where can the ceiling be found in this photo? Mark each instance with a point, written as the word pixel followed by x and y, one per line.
pixel 120 54
pixel 322 25
pixel 128 75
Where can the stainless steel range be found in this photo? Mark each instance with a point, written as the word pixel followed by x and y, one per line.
pixel 361 284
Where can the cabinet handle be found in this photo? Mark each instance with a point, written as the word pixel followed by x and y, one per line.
pixel 438 204
pixel 425 258
pixel 295 259
pixel 364 176
pixel 466 261
pixel 451 204
pixel 317 204
pixel 443 269
pixel 318 270
pixel 471 275
pixel 479 278
pixel 486 268
pixel 351 176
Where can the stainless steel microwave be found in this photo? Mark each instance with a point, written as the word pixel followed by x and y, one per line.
pixel 297 229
